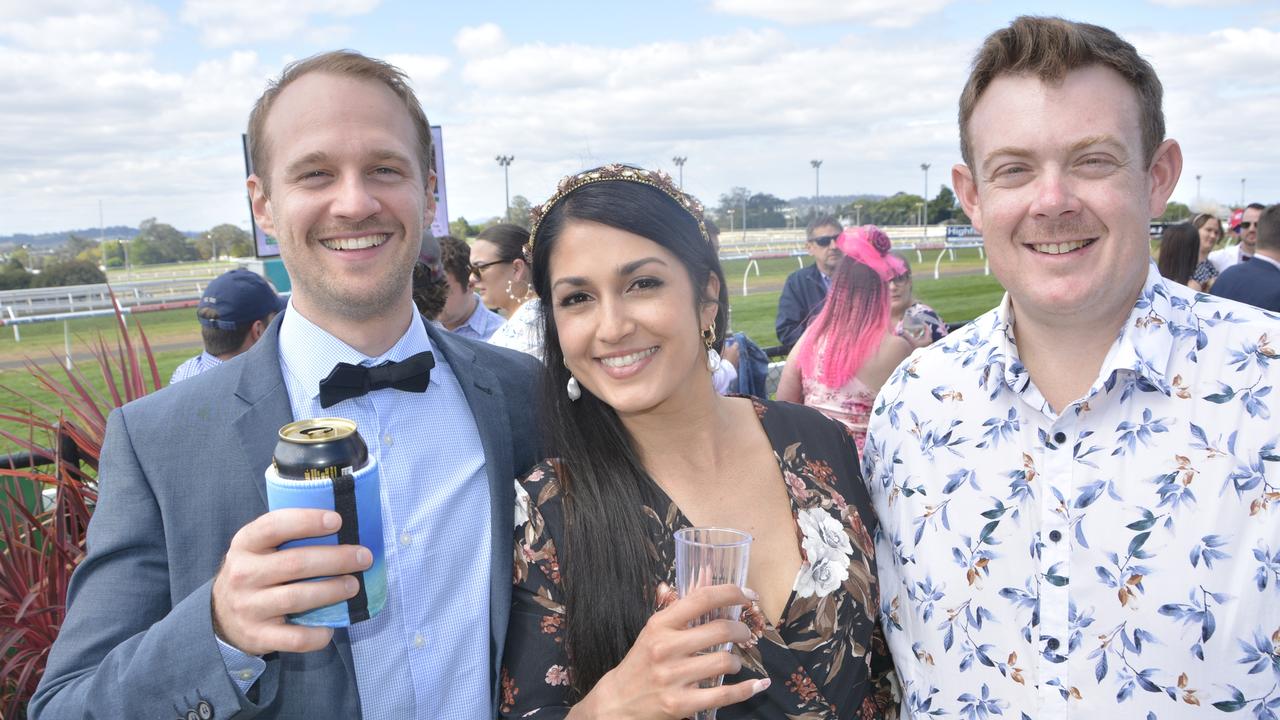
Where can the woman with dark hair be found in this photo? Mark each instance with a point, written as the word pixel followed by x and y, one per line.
pixel 1210 229
pixel 644 446
pixel 1183 257
pixel 500 273
pixel 848 351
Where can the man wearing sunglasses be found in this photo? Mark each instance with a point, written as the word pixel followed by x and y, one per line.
pixel 1248 229
pixel 1257 282
pixel 805 289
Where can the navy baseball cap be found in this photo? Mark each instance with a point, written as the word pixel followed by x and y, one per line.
pixel 239 297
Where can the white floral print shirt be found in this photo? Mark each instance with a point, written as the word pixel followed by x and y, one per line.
pixel 523 330
pixel 1120 559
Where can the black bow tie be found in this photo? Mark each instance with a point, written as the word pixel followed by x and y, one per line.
pixel 351 381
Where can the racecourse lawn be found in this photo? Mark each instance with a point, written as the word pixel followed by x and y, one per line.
pixel 957 298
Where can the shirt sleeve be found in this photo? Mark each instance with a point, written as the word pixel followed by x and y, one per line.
pixel 244 669
pixel 535 667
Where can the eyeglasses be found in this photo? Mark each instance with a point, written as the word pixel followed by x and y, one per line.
pixel 478 268
pixel 1246 224
pixel 823 240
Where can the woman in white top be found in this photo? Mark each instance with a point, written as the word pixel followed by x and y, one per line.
pixel 500 273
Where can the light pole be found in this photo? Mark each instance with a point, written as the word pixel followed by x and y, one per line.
pixel 920 209
pixel 857 209
pixel 924 215
pixel 730 219
pixel 679 161
pixel 1197 192
pixel 1242 192
pixel 817 188
pixel 505 162
pixel 744 214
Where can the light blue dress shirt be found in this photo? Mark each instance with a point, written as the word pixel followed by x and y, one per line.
pixel 194 366
pixel 426 655
pixel 482 323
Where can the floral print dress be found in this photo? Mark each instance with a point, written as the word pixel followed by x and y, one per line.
pixel 826 654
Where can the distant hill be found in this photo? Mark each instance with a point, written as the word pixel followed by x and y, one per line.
pixel 54 239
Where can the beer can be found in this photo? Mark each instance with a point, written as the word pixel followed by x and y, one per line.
pixel 319 448
pixel 323 463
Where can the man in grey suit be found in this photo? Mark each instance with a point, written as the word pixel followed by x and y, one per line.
pixel 178 607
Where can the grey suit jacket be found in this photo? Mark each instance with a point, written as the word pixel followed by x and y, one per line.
pixel 180 473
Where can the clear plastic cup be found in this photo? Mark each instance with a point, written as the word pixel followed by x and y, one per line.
pixel 712 556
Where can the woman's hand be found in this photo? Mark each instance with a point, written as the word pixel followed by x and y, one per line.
pixel 658 679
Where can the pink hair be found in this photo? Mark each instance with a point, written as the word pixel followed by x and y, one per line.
pixel 855 316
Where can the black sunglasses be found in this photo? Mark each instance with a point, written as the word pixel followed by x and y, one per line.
pixel 1246 224
pixel 477 268
pixel 823 240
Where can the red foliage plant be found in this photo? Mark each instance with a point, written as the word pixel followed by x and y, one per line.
pixel 43 544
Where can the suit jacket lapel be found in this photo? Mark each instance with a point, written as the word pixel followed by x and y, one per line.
pixel 489 408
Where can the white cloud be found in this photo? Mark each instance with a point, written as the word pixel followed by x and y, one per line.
pixel 80 27
pixel 485 39
pixel 877 13
pixel 748 108
pixel 1220 104
pixel 225 23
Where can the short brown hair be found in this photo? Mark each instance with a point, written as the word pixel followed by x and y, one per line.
pixel 455 255
pixel 344 63
pixel 1269 228
pixel 1049 48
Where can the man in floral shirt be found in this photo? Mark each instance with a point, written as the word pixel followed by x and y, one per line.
pixel 1079 493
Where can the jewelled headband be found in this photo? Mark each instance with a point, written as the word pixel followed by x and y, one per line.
pixel 618 172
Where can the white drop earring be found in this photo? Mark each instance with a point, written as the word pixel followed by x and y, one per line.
pixel 573 389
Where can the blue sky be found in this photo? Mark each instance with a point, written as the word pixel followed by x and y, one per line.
pixel 140 104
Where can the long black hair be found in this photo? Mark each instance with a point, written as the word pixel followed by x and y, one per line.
pixel 608 573
pixel 1179 252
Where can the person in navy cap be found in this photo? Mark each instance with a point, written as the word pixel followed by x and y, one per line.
pixel 234 311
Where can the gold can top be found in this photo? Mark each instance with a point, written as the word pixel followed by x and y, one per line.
pixel 317 430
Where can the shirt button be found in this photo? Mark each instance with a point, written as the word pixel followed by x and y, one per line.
pixel 246 674
pixel 386 441
pixel 1052 643
pixel 1059 437
pixel 1054 535
pixel 419 641
pixel 406 539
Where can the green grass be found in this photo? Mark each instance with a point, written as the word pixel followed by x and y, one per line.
pixel 957 298
pixel 162 326
pixel 19 381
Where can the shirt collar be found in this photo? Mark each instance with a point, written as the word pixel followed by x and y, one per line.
pixel 1144 347
pixel 308 353
pixel 476 320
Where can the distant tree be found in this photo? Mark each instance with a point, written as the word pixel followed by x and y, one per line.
pixel 113 254
pixel 22 256
pixel 518 214
pixel 13 263
pixel 1175 212
pixel 899 209
pixel 75 246
pixel 242 248
pixel 69 272
pixel 219 240
pixel 943 207
pixel 765 211
pixel 462 229
pixel 729 211
pixel 15 278
pixel 158 242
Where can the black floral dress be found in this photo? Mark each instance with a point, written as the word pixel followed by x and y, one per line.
pixel 826 655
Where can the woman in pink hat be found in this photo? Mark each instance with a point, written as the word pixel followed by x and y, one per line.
pixel 848 351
